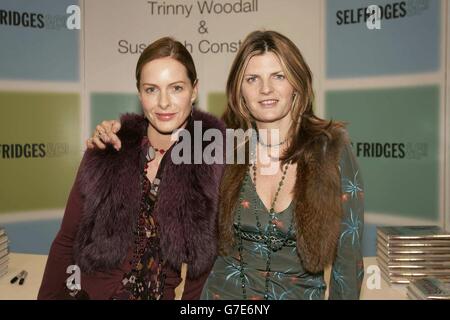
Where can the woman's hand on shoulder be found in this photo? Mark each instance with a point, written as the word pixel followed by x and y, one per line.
pixel 105 133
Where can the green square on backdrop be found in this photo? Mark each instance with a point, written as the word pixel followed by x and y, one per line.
pixel 39 178
pixel 403 183
pixel 109 106
pixel 217 103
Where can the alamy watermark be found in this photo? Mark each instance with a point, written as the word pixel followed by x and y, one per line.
pixel 212 147
pixel 374 20
pixel 73 282
pixel 373 281
pixel 73 22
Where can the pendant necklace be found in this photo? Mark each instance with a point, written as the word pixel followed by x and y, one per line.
pixel 269 236
pixel 151 153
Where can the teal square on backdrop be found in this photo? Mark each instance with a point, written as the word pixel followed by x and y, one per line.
pixel 109 106
pixel 395 136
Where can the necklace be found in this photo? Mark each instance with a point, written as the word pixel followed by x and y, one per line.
pixel 268 145
pixel 280 184
pixel 269 236
pixel 151 152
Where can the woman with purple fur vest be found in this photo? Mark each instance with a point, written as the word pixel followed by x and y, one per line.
pixel 139 224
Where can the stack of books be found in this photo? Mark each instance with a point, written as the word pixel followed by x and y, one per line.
pixel 405 253
pixel 428 289
pixel 4 252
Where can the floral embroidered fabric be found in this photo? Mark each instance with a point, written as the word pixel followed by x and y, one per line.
pixel 145 281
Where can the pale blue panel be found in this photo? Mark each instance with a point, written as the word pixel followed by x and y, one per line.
pixel 33 237
pixel 49 51
pixel 403 45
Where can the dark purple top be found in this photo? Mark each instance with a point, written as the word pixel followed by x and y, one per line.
pixel 99 285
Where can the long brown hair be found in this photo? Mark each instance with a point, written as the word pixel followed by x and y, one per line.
pixel 167 47
pixel 306 125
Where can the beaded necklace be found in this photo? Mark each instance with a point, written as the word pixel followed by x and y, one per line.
pixel 146 279
pixel 151 152
pixel 268 145
pixel 269 235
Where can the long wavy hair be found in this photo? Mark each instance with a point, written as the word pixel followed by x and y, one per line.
pixel 306 126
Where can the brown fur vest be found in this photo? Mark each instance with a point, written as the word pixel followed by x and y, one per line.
pixel 317 198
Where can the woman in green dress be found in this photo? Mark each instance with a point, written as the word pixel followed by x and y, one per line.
pixel 296 206
pixel 279 229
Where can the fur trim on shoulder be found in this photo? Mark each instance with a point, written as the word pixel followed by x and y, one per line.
pixel 318 211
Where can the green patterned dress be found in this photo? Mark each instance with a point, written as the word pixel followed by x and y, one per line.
pixel 288 279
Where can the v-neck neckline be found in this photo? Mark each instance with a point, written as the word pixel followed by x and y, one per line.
pixel 262 203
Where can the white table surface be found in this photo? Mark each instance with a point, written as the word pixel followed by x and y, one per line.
pixel 35 265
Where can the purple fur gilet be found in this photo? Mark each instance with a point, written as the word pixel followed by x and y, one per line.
pixel 186 209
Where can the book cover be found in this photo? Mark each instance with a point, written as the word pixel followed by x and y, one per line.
pixel 4 265
pixel 412 273
pixel 413 242
pixel 413 232
pixel 443 253
pixel 393 279
pixel 412 295
pixel 4 252
pixel 3 239
pixel 382 259
pixel 430 288
pixel 4 259
pixel 408 258
pixel 4 272
pixel 4 246
pixel 413 246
